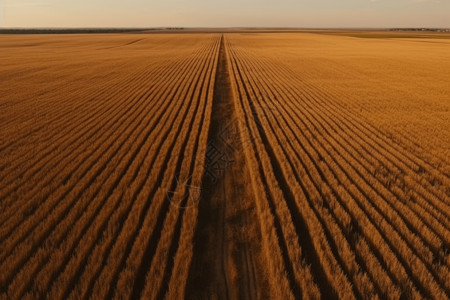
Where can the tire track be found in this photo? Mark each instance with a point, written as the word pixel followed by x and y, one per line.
pixel 288 274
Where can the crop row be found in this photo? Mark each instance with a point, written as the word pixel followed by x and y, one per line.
pixel 374 235
pixel 88 217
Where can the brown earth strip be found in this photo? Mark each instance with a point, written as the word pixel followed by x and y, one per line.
pixel 227 259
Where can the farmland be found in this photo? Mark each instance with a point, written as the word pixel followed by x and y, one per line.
pixel 224 165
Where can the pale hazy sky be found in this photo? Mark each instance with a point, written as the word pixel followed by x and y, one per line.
pixel 224 13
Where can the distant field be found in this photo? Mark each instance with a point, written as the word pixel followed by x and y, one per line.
pixel 389 34
pixel 238 165
pixel 67 30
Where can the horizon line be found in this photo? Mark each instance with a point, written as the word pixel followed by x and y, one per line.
pixel 213 27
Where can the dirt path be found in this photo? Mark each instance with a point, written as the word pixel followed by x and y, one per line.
pixel 227 242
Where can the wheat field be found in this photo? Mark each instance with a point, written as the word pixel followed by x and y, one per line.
pixel 235 165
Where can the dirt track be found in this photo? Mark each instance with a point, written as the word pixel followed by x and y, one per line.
pixel 226 245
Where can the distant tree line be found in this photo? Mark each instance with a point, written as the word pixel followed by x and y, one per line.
pixel 421 29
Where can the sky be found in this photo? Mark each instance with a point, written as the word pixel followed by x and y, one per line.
pixel 225 13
